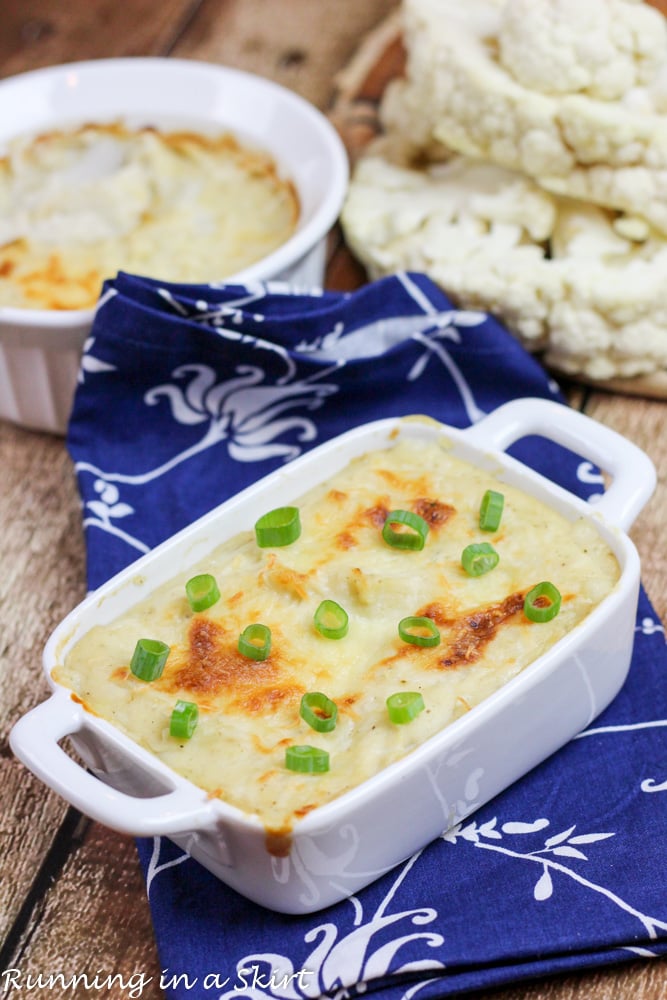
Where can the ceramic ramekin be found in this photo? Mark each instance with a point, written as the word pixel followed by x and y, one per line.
pixel 40 350
pixel 335 849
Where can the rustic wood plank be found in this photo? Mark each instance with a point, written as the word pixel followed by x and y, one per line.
pixel 42 559
pixel 299 44
pixel 643 421
pixel 94 921
pixel 35 33
pixel 29 827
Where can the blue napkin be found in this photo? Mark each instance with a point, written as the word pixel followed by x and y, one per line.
pixel 186 395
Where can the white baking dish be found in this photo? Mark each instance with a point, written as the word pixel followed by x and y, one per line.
pixel 40 349
pixel 336 849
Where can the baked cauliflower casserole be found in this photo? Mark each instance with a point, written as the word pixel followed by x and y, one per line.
pixel 78 206
pixel 296 661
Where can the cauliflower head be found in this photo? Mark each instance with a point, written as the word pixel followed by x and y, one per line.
pixel 602 48
pixel 578 282
pixel 572 93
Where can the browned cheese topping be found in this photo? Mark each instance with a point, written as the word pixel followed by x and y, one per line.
pixel 249 709
pixel 77 207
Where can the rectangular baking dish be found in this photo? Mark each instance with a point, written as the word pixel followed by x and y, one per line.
pixel 335 850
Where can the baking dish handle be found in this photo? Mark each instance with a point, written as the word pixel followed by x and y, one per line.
pixel 632 472
pixel 34 739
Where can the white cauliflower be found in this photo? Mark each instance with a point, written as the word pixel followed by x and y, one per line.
pixel 570 92
pixel 612 317
pixel 595 47
pixel 577 281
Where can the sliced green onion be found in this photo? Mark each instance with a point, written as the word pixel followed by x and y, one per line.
pixel 281 526
pixel 491 510
pixel 404 706
pixel 415 536
pixel 331 620
pixel 255 641
pixel 542 603
pixel 148 659
pixel 184 718
pixel 479 558
pixel 319 711
pixel 202 591
pixel 307 760
pixel 419 631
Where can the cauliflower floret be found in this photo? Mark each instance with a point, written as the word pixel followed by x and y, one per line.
pixel 540 132
pixel 478 230
pixel 491 79
pixel 603 48
pixel 574 280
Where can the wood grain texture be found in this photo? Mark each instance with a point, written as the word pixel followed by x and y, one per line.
pixel 94 918
pixel 300 44
pixel 71 894
pixel 644 421
pixel 37 33
pixel 42 560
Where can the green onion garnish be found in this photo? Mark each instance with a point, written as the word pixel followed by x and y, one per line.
pixel 419 631
pixel 308 760
pixel 184 718
pixel 478 559
pixel 148 659
pixel 319 711
pixel 542 603
pixel 202 591
pixel 281 526
pixel 413 538
pixel 331 620
pixel 255 642
pixel 404 706
pixel 491 510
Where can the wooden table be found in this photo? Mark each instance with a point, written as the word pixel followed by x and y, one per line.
pixel 72 897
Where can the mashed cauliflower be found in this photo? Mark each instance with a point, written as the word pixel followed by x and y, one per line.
pixel 76 207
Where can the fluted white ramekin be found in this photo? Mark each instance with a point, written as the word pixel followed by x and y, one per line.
pixel 40 350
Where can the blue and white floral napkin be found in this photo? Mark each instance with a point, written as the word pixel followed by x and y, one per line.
pixel 188 394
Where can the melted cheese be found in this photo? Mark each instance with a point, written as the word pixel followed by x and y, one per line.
pixel 249 711
pixel 77 207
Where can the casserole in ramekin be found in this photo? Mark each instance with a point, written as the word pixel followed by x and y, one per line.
pixel 40 349
pixel 334 850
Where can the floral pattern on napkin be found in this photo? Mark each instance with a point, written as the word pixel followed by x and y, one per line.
pixel 188 394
